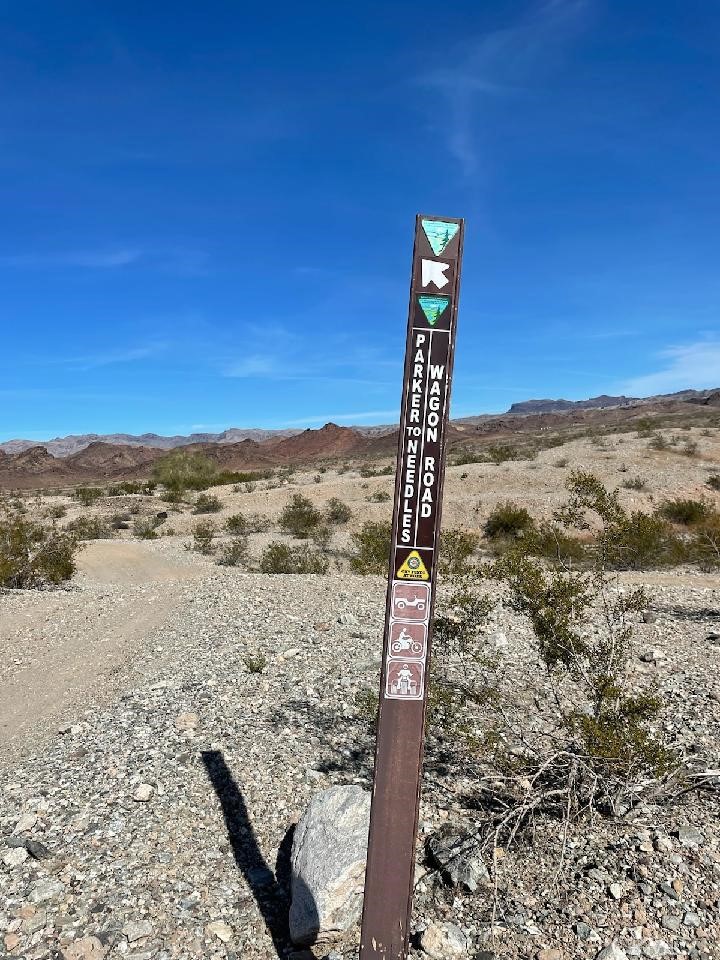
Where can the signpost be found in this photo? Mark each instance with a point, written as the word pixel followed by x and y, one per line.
pixel 429 350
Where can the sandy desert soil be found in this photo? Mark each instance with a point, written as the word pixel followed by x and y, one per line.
pixel 96 676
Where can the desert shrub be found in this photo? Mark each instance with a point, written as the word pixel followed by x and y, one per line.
pixel 507 520
pixel 236 523
pixel 281 558
pixel 658 442
pixel 57 511
pixel 87 495
pixel 337 512
pixel 555 544
pixel 704 546
pixel 713 481
pixel 146 487
pixel 367 471
pixel 561 462
pixel 145 528
pixel 685 512
pixel 181 470
pixel 255 662
pixel 379 496
pixel 300 516
pixel 204 537
pixel 690 448
pixel 645 427
pixel 627 539
pixel 233 552
pixel 321 536
pixel 90 528
pixel 372 547
pixel 32 555
pixel 607 720
pixel 207 503
pixel 456 548
pixel 634 483
pixel 499 453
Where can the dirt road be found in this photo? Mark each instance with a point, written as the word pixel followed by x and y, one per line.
pixel 66 647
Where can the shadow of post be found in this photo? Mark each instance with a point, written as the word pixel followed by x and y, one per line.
pixel 271 890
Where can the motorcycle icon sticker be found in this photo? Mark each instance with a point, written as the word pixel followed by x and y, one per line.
pixel 410 601
pixel 408 640
pixel 404 680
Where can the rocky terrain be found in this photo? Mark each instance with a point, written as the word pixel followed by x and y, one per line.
pixel 165 722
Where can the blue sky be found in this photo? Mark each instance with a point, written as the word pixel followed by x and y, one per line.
pixel 207 209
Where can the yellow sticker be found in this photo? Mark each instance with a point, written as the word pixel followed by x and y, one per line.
pixel 413 568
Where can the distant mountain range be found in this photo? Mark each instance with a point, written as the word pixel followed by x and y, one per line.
pixel 90 458
pixel 66 446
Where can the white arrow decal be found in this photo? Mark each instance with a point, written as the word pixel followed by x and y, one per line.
pixel 434 272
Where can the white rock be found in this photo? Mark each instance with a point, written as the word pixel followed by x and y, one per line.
pixel 328 864
pixel 186 721
pixel 137 929
pixel 25 823
pixel 220 929
pixel 15 856
pixel 442 941
pixel 613 952
pixel 143 793
pixel 45 890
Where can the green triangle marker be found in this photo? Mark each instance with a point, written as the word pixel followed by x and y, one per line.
pixel 433 308
pixel 439 234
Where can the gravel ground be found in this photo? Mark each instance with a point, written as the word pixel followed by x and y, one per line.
pixel 150 813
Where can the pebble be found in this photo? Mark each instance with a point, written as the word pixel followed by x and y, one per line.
pixel 143 793
pixel 612 952
pixel 137 929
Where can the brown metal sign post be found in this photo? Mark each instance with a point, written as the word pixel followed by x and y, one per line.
pixel 429 353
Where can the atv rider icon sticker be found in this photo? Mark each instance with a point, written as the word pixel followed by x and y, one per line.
pixel 404 680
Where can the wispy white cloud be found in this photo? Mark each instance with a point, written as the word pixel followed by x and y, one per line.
pixel 689 366
pixel 104 358
pixel 186 261
pixel 499 64
pixel 344 417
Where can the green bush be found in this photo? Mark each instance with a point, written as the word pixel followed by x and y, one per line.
pixel 704 546
pixel 281 558
pixel 685 512
pixel 372 547
pixel 300 517
pixel 145 528
pixel 713 481
pixel 90 528
pixel 255 662
pixel 551 541
pixel 204 537
pixel 180 471
pixel 87 495
pixel 233 552
pixel 337 512
pixel 236 523
pixel 634 483
pixel 32 555
pixel 57 511
pixel 243 524
pixel 500 452
pixel 456 548
pixel 658 442
pixel 628 540
pixel 146 487
pixel 508 520
pixel 207 503
pixel 379 496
